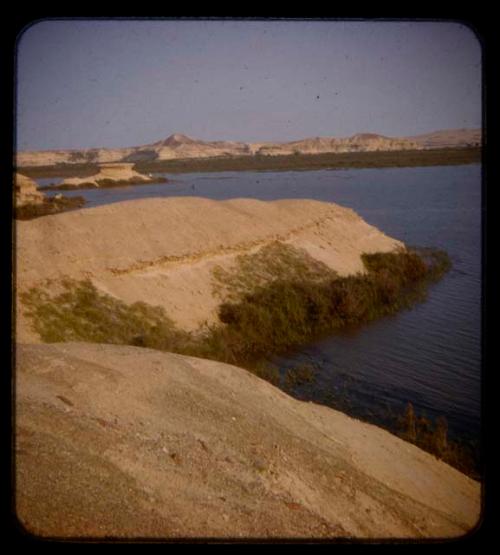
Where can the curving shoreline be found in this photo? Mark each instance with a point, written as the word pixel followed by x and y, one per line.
pixel 306 471
pixel 124 247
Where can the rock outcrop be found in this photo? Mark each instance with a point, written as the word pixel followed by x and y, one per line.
pixel 109 174
pixel 179 146
pixel 26 191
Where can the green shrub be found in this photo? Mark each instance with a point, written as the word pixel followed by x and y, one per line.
pixel 274 262
pixel 51 205
pixel 283 313
pixel 433 438
pixel 81 313
pixel 298 376
pixel 262 318
pixel 267 314
pixel 268 372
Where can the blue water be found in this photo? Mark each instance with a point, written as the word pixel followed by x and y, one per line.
pixel 429 355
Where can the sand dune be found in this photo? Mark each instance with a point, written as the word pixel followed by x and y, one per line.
pixel 163 251
pixel 129 442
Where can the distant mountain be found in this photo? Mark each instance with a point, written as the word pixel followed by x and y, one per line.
pixel 177 139
pixel 179 146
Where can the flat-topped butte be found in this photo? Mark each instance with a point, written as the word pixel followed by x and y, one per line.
pixel 109 175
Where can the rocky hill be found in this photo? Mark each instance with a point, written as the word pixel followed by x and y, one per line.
pixel 26 191
pixel 450 138
pixel 178 146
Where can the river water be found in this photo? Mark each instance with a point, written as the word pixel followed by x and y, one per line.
pixel 429 355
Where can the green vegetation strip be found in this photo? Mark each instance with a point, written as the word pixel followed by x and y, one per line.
pixel 433 438
pixel 51 205
pixel 401 158
pixel 277 298
pixel 304 162
pixel 103 184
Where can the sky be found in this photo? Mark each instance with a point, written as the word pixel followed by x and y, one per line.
pixel 118 83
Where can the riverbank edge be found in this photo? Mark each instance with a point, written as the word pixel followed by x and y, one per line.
pixel 129 465
pixel 294 162
pixel 82 313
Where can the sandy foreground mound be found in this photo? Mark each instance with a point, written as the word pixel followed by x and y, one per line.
pixel 164 251
pixel 123 441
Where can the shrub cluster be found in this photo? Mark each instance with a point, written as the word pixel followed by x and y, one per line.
pixel 261 320
pixel 105 183
pixel 81 313
pixel 51 205
pixel 299 161
pixel 432 436
pixel 285 313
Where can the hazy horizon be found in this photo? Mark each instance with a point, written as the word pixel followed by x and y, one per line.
pixel 122 83
pixel 227 140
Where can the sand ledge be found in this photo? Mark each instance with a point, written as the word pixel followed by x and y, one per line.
pixel 163 251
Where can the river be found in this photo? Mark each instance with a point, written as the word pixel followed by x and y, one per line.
pixel 429 355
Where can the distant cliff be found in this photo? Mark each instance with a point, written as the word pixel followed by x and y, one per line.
pixel 178 146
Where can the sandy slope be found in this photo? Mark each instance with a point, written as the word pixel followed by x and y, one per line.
pixel 123 441
pixel 449 138
pixel 163 251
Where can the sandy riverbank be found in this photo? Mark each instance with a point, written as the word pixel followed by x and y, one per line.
pixel 108 175
pixel 124 441
pixel 164 251
pixel 129 442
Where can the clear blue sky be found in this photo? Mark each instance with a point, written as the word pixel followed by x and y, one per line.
pixel 83 84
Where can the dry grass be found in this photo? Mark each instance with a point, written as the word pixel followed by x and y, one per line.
pixel 432 436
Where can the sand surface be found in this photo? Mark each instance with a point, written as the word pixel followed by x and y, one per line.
pixel 110 172
pixel 163 251
pixel 127 442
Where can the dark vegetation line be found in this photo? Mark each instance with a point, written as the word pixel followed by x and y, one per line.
pixel 52 205
pixel 103 184
pixel 403 158
pixel 263 318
